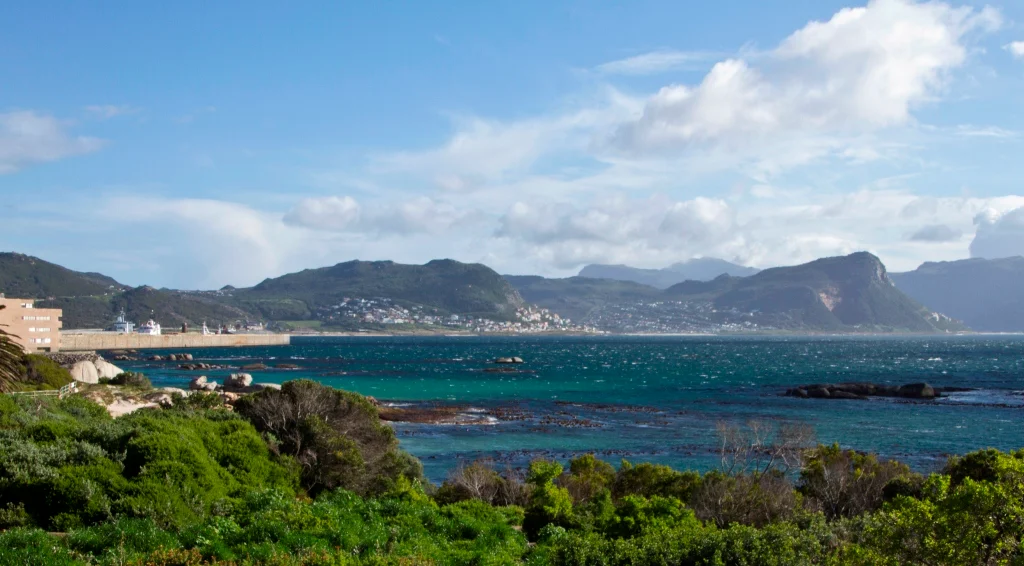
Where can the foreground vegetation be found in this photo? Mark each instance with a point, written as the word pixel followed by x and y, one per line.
pixel 309 475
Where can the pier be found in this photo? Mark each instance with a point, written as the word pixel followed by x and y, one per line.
pixel 91 341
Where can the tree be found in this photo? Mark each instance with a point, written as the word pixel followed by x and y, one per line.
pixel 335 436
pixel 11 354
pixel 549 504
pixel 845 483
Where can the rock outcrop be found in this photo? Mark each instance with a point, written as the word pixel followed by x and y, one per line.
pixel 863 391
pixel 238 381
pixel 202 384
pixel 85 372
pixel 87 368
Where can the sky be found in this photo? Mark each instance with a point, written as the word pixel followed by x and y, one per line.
pixel 198 144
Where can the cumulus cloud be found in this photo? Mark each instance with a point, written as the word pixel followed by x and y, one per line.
pixel 936 233
pixel 343 214
pixel 654 62
pixel 568 235
pixel 1016 49
pixel 337 214
pixel 27 137
pixel 213 242
pixel 999 234
pixel 484 151
pixel 863 70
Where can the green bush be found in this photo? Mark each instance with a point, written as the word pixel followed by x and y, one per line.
pixel 68 465
pixel 549 504
pixel 190 485
pixel 33 547
pixel 131 379
pixel 336 437
pixel 845 483
pixel 41 373
pixel 653 479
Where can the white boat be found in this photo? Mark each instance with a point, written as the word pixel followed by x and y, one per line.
pixel 122 325
pixel 151 328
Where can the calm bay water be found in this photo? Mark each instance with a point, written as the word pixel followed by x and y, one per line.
pixel 658 398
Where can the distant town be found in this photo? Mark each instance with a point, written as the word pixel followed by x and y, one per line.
pixel 354 313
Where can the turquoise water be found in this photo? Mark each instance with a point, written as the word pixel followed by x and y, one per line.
pixel 658 398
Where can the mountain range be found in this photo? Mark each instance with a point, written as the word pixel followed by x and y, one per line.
pixel 987 294
pixel 697 269
pixel 850 293
pixel 90 300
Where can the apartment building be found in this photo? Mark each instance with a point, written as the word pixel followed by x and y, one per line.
pixel 37 330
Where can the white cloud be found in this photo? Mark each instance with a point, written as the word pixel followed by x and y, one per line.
pixel 219 242
pixel 337 214
pixel 936 233
pixel 1000 234
pixel 409 216
pixel 985 132
pixel 790 229
pixel 1016 49
pixel 105 111
pixel 485 151
pixel 863 70
pixel 27 138
pixel 654 62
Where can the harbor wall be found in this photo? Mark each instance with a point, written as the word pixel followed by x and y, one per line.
pixel 112 341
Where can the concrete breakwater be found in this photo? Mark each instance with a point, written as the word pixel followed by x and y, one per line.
pixel 92 341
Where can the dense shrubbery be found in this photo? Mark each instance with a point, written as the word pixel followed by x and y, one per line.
pixel 129 379
pixel 194 484
pixel 42 373
pixel 335 436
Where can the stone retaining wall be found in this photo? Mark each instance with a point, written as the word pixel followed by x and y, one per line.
pixel 111 341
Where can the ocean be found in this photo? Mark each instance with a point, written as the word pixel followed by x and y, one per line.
pixel 655 399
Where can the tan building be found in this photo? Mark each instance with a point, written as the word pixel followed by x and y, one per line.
pixel 37 330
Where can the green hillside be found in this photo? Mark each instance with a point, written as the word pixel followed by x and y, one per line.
pixel 170 308
pixel 446 285
pixel 29 277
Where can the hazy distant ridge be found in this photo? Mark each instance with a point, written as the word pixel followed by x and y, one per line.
pixel 987 294
pixel 697 269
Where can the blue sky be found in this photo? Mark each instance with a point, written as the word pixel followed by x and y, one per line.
pixel 199 144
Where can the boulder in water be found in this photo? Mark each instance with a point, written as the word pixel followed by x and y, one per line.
pixel 238 380
pixel 917 391
pixel 202 384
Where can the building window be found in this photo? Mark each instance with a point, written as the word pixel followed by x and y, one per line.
pixel 41 329
pixel 31 329
pixel 46 340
